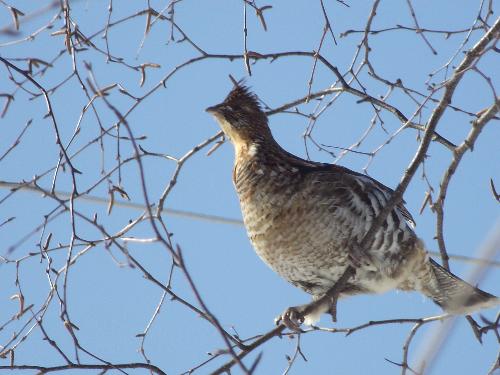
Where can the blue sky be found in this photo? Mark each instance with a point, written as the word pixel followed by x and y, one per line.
pixel 111 304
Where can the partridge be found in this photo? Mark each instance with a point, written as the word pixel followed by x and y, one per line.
pixel 304 219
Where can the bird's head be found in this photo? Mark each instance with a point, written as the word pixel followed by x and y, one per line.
pixel 241 118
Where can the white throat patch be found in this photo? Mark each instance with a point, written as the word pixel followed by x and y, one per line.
pixel 253 149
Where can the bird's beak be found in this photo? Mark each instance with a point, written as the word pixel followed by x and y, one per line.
pixel 212 110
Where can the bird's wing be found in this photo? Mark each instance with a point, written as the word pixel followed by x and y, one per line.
pixel 368 192
pixel 372 187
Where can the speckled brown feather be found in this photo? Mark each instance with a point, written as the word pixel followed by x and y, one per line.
pixel 303 217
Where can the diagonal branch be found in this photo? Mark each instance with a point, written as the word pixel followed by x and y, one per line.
pixel 458 153
pixel 449 89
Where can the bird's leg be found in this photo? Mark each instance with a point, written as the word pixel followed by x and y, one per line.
pixel 332 295
pixel 294 316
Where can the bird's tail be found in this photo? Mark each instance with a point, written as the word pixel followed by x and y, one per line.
pixel 455 295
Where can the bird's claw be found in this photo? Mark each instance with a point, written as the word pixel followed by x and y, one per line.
pixel 291 318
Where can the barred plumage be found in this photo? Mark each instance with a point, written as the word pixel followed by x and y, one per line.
pixel 303 218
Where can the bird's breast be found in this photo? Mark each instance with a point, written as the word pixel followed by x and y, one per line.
pixel 290 226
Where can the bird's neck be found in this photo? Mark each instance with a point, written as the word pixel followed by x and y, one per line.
pixel 261 163
pixel 255 149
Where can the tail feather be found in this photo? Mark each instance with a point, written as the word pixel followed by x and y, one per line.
pixel 455 295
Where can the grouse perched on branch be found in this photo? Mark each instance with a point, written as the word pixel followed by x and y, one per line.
pixel 304 218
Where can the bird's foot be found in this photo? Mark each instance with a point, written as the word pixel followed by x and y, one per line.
pixel 310 313
pixel 292 318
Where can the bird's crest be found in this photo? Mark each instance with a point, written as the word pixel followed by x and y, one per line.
pixel 241 96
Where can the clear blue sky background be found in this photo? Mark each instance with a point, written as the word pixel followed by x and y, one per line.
pixel 111 304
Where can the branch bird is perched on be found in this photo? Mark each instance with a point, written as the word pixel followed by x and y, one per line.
pixel 305 219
